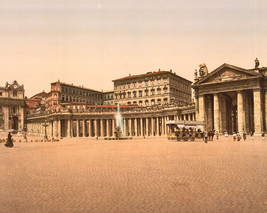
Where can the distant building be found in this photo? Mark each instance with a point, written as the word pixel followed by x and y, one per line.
pixel 62 93
pixel 36 104
pixel 12 106
pixel 108 98
pixel 152 88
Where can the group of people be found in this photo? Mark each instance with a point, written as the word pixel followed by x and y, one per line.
pixel 237 136
pixel 208 135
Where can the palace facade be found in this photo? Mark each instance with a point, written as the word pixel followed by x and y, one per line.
pixel 153 88
pixel 12 107
pixel 232 99
pixel 74 111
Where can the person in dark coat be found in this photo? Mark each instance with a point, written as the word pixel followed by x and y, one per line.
pixel 244 135
pixel 9 142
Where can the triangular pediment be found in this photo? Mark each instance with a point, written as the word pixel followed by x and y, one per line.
pixel 226 73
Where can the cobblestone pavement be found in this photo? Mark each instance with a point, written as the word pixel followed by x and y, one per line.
pixel 142 175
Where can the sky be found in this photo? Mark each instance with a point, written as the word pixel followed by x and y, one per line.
pixel 92 42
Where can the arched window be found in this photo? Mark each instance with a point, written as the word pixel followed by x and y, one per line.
pixel 165 89
pixel 165 100
pixel 152 102
pixel 140 103
pixel 146 102
pixel 146 92
pixel 140 93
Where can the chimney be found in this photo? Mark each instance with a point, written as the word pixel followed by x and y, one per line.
pixel 170 70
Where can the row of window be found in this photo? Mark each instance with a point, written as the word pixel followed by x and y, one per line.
pixel 108 102
pixel 80 92
pixel 15 93
pixel 181 85
pixel 146 102
pixel 110 96
pixel 140 93
pixel 140 84
pixel 77 99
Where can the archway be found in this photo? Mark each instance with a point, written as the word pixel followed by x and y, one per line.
pixel 15 123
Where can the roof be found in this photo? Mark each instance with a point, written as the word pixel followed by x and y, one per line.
pixel 42 94
pixel 71 85
pixel 218 69
pixel 141 75
pixel 34 99
pixel 32 105
pixel 148 74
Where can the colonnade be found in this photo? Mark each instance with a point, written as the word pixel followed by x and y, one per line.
pixel 239 111
pixel 87 127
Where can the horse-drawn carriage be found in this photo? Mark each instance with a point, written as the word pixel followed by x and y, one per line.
pixel 184 130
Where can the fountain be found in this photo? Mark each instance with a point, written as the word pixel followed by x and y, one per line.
pixel 119 134
pixel 119 121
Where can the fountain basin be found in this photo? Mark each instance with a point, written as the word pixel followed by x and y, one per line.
pixel 120 138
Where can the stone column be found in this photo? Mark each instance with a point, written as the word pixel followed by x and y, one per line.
pixel 141 127
pixel 216 112
pixel 95 128
pixel 108 128
pixel 257 112
pixel 68 129
pixel 102 127
pixel 201 106
pixel 125 126
pixel 22 117
pixel 146 133
pixel 59 128
pixel 78 128
pixel 240 112
pixel 152 126
pixel 130 127
pixel 158 126
pixel 165 125
pixel 90 128
pixel 135 127
pixel 265 110
pixel 113 127
pixel 84 129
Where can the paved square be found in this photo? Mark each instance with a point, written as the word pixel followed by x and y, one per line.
pixel 142 175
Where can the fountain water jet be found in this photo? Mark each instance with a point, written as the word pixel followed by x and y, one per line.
pixel 119 121
pixel 120 135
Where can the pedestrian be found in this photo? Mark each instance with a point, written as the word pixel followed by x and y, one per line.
pixel 212 134
pixel 234 136
pixel 9 142
pixel 244 135
pixel 251 135
pixel 238 137
pixel 262 135
pixel 206 136
pixel 217 135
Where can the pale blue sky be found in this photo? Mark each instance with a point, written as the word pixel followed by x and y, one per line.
pixel 92 42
